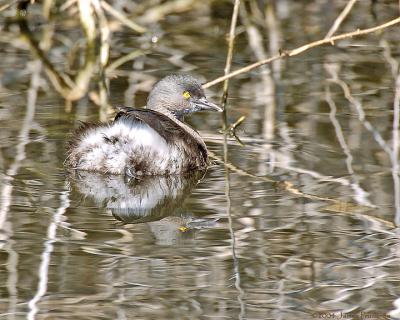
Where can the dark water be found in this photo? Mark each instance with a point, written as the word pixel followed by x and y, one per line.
pixel 300 223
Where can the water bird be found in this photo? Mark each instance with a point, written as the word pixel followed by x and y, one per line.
pixel 149 141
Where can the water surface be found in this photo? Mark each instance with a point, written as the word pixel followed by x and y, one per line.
pixel 299 223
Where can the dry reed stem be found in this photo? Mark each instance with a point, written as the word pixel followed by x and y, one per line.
pixel 119 16
pixel 302 49
pixel 227 69
pixel 120 61
pixel 104 33
pixel 87 20
pixel 66 5
pixel 229 56
pixel 155 13
pixel 227 173
pixel 7 5
pixel 70 89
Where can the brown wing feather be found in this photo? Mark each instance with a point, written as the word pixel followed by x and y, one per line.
pixel 163 125
pixel 166 128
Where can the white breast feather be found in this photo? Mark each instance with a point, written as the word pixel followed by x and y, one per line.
pixel 135 141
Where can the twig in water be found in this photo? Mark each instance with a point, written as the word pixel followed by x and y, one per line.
pixel 302 49
pixel 232 128
pixel 238 122
pixel 336 206
pixel 361 196
pixel 358 108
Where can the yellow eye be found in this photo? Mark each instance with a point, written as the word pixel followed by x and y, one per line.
pixel 186 95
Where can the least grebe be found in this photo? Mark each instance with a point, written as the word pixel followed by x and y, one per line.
pixel 149 141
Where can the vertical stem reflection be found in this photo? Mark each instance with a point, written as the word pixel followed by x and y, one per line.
pixel 236 268
pixel 395 151
pixel 23 140
pixel 46 255
pixel 12 278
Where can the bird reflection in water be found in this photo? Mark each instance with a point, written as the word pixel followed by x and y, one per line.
pixel 155 200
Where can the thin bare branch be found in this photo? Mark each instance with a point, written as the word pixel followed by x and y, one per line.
pixel 302 49
pixel 340 18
